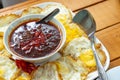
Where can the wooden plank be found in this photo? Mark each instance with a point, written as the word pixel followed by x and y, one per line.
pixel 110 37
pixel 106 13
pixel 115 63
pixel 74 5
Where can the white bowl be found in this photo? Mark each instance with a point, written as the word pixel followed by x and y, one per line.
pixel 114 73
pixel 21 20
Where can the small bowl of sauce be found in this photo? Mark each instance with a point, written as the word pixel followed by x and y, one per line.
pixel 32 42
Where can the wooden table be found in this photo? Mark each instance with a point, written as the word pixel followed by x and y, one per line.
pixel 106 14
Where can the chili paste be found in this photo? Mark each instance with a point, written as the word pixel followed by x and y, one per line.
pixel 34 40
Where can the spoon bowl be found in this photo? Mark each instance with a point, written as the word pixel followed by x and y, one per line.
pixel 85 19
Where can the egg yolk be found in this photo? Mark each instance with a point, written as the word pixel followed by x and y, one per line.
pixel 87 58
pixel 1 43
pixel 2 74
pixel 1 33
pixel 62 18
pixel 62 68
pixel 1 78
pixel 22 78
pixel 72 29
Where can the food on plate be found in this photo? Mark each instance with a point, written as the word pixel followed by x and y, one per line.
pixel 101 53
pixel 64 12
pixel 77 59
pixel 87 57
pixel 25 66
pixel 35 40
pixel 69 69
pixel 1 33
pixel 65 68
pixel 8 69
pixel 77 46
pixel 46 72
pixel 80 49
pixel 23 76
pixel 73 31
pixel 31 10
pixel 5 21
pixel 4 52
pixel 1 43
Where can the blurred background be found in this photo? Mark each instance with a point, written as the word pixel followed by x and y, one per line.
pixel 6 3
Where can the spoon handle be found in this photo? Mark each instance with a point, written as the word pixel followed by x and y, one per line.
pixel 101 71
pixel 49 16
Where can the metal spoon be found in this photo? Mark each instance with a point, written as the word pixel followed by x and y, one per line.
pixel 85 19
pixel 49 16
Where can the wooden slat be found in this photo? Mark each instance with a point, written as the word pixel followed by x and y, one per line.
pixel 74 5
pixel 115 63
pixel 110 37
pixel 106 13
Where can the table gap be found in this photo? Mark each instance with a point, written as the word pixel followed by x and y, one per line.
pixel 88 6
pixel 108 26
pixel 115 59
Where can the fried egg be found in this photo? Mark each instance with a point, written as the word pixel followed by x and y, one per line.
pixel 88 58
pixel 70 69
pixel 31 10
pixel 6 20
pixel 65 68
pixel 80 49
pixel 72 31
pixel 23 76
pixel 51 7
pixel 77 46
pixel 46 72
pixel 8 69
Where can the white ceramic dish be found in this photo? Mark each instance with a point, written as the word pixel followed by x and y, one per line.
pixel 21 20
pixel 92 75
pixel 114 73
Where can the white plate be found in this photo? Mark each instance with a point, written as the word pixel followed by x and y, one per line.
pixel 114 73
pixel 92 75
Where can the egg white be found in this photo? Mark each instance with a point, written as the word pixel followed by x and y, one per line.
pixel 46 72
pixel 70 69
pixel 8 68
pixel 77 46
